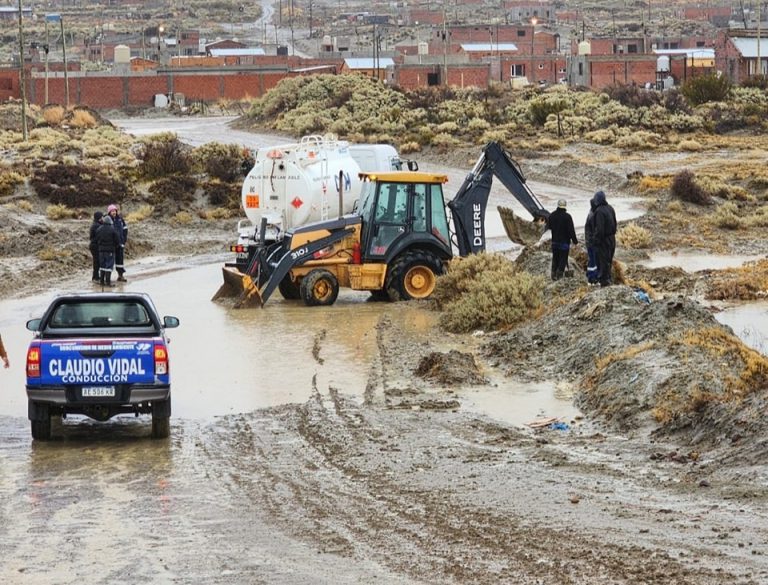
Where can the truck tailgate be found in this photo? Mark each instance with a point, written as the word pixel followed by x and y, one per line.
pixel 97 361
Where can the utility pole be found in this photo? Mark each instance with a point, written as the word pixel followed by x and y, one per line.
pixel 759 61
pixel 64 57
pixel 22 80
pixel 445 50
pixel 47 49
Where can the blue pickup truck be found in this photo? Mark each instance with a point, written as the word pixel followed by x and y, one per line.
pixel 99 355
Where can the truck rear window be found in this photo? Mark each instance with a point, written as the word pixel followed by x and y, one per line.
pixel 101 314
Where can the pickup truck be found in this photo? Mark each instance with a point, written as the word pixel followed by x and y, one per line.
pixel 99 355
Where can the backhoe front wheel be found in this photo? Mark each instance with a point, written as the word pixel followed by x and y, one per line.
pixel 319 288
pixel 413 275
pixel 289 289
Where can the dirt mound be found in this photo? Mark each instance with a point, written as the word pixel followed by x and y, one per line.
pixel 668 366
pixel 450 369
pixel 577 174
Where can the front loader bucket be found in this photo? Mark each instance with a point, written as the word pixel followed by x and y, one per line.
pixel 519 230
pixel 240 286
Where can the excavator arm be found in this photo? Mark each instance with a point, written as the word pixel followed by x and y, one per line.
pixel 468 205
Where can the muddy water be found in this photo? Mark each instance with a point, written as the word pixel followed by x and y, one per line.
pixel 749 321
pixel 225 361
pixel 693 261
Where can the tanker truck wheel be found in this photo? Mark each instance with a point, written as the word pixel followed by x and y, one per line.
pixel 289 289
pixel 413 275
pixel 319 288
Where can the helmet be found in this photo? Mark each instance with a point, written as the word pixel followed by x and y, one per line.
pixel 111 208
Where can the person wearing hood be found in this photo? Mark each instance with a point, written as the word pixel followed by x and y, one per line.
pixel 121 228
pixel 107 242
pixel 560 223
pixel 93 247
pixel 604 237
pixel 589 238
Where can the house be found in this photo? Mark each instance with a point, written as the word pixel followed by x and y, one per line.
pixel 368 66
pixel 741 54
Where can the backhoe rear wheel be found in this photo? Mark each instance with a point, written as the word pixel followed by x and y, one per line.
pixel 289 289
pixel 413 275
pixel 319 288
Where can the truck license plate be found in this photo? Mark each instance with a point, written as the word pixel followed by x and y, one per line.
pixel 98 391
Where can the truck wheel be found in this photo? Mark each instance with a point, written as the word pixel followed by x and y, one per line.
pixel 413 275
pixel 319 288
pixel 41 425
pixel 161 419
pixel 289 289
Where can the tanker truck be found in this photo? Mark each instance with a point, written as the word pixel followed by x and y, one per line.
pixel 294 184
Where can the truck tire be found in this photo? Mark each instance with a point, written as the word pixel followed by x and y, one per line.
pixel 413 275
pixel 289 289
pixel 319 288
pixel 41 425
pixel 161 419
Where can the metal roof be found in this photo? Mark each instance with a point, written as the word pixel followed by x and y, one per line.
pixel 488 47
pixel 698 53
pixel 369 63
pixel 748 47
pixel 237 52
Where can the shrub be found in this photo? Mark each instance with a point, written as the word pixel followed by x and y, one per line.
pixel 409 147
pixel 633 236
pixel 161 155
pixel 25 205
pixel 78 186
pixel 182 218
pixel 9 180
pixel 540 109
pixel 140 214
pixel 654 183
pixel 633 96
pixel 53 115
pixel 494 301
pixel 685 188
pixel 462 271
pixel 727 216
pixel 689 146
pixel 59 211
pixel 82 119
pixel 219 193
pixel 179 189
pixel 706 88
pixel 220 161
pixel 675 207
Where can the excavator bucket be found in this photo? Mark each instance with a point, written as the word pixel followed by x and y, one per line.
pixel 518 230
pixel 240 286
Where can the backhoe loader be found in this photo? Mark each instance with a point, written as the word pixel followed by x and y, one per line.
pixel 395 244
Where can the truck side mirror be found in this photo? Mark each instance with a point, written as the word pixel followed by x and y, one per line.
pixel 170 322
pixel 412 165
pixel 34 324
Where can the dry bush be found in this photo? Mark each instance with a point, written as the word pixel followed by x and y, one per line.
pixel 59 211
pixel 685 188
pixel 161 155
pixel 746 283
pixel 217 213
pixel 494 301
pixel 25 205
pixel 758 218
pixel 78 186
pixel 182 218
pixel 173 190
pixel 462 271
pixel 727 216
pixel 675 207
pixel 140 214
pixel 220 161
pixel 409 147
pixel 82 119
pixel 548 144
pixel 54 115
pixel 9 180
pixel 633 236
pixel 226 194
pixel 689 145
pixel 654 183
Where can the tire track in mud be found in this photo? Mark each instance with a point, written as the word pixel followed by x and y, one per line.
pixel 410 491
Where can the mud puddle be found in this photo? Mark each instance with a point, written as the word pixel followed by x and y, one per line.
pixel 693 261
pixel 749 322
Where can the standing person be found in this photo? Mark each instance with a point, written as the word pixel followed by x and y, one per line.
pixel 93 247
pixel 563 233
pixel 605 237
pixel 4 355
pixel 122 233
pixel 107 242
pixel 589 238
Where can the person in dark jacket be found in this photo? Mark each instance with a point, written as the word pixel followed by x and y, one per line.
pixel 92 245
pixel 122 233
pixel 107 242
pixel 560 223
pixel 604 237
pixel 589 238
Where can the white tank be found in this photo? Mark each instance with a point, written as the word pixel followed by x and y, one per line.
pixel 122 54
pixel 423 48
pixel 585 48
pixel 294 184
pixel 662 64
